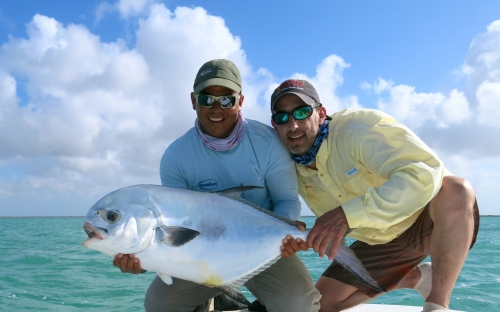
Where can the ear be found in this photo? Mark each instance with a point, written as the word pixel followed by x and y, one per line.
pixel 322 114
pixel 274 125
pixel 242 98
pixel 193 100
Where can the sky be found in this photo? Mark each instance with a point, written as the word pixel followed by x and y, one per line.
pixel 92 92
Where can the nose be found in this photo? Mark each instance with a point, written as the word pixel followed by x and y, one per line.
pixel 216 105
pixel 292 124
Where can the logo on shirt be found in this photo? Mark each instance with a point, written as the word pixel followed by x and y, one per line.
pixel 208 184
pixel 352 171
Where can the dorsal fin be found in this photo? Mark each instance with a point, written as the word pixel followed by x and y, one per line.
pixel 235 193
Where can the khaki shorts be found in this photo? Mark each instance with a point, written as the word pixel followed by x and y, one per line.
pixel 390 263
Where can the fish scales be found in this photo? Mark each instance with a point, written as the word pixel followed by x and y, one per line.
pixel 215 239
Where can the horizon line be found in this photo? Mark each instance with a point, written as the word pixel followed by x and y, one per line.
pixel 489 215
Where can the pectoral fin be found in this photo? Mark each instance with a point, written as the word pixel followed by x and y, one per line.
pixel 175 236
pixel 167 279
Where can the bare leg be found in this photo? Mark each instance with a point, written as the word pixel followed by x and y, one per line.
pixel 410 280
pixel 452 213
pixel 337 296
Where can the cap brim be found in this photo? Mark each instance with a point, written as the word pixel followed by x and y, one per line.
pixel 306 99
pixel 217 82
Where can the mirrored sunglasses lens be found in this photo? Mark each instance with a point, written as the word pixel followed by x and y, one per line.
pixel 302 113
pixel 280 118
pixel 205 100
pixel 227 101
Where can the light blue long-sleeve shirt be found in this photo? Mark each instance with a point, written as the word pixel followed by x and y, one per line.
pixel 258 160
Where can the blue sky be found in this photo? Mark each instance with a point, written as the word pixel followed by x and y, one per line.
pixel 92 92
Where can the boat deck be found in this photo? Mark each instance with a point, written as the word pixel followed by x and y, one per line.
pixel 377 308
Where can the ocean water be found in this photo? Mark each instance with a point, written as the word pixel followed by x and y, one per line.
pixel 43 267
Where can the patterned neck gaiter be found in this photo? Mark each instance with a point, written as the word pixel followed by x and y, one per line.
pixel 223 144
pixel 310 157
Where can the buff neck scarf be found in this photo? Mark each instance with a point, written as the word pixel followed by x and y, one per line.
pixel 310 157
pixel 223 144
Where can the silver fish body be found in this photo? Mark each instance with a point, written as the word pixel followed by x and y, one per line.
pixel 214 239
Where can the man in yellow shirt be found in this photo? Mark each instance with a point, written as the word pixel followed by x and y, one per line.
pixel 369 177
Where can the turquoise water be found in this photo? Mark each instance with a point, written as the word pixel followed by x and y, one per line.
pixel 43 267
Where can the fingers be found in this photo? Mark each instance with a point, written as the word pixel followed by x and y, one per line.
pixel 302 245
pixel 321 242
pixel 127 263
pixel 287 249
pixel 316 237
pixel 328 229
pixel 129 267
pixel 284 252
pixel 117 260
pixel 301 225
pixel 291 246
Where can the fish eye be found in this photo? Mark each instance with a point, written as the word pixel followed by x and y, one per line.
pixel 110 216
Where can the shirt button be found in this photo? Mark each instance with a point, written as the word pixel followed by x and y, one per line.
pixel 321 174
pixel 340 196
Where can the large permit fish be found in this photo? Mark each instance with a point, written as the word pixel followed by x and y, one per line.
pixel 214 239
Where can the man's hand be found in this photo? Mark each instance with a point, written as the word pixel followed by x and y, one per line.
pixel 329 228
pixel 291 246
pixel 128 263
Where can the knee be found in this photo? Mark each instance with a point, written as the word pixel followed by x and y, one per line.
pixel 456 194
pixel 457 186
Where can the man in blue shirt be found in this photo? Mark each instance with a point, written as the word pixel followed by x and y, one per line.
pixel 225 150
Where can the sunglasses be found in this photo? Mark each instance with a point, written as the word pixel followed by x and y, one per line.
pixel 300 113
pixel 225 101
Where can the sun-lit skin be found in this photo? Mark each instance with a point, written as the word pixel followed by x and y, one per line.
pixel 298 135
pixel 217 121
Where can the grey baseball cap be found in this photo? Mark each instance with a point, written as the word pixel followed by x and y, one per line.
pixel 301 88
pixel 219 72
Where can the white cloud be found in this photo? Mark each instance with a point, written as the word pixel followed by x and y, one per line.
pixel 84 116
pixel 416 108
pixel 488 99
pixel 365 86
pixel 461 126
pixel 126 8
pixel 329 76
pixel 131 8
pixel 101 11
pixel 483 59
pixel 479 101
pixel 455 108
pixel 80 117
pixel 382 85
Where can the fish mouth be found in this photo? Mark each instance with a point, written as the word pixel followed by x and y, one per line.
pixel 94 232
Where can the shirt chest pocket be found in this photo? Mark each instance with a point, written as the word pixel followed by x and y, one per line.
pixel 356 181
pixel 319 200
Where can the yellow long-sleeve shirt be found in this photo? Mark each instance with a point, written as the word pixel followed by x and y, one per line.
pixel 377 169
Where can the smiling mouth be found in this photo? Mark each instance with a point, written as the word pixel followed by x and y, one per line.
pixel 294 137
pixel 215 119
pixel 95 232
